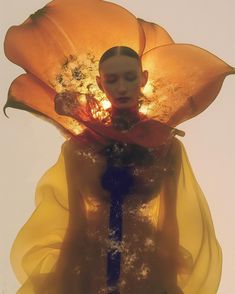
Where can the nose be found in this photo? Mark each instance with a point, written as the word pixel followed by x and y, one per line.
pixel 122 87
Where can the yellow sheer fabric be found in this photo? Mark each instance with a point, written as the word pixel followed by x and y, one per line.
pixel 169 238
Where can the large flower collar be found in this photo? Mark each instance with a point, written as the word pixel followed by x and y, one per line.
pixel 59 47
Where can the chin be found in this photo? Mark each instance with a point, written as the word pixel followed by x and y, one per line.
pixel 125 105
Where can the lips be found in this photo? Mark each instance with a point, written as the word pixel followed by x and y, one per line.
pixel 123 99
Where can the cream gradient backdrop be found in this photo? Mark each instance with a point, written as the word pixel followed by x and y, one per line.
pixel 29 146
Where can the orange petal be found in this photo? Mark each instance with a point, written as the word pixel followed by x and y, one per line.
pixel 28 93
pixel 183 81
pixel 61 29
pixel 154 35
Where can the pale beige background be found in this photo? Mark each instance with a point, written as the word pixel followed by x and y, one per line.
pixel 29 146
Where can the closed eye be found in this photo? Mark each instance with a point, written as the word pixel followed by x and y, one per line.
pixel 110 81
pixel 131 77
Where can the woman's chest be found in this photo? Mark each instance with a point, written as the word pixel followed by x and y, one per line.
pixel 145 169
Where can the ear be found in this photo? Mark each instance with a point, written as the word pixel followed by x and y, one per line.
pixel 98 81
pixel 144 78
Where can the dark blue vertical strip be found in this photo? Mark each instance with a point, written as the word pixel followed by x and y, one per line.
pixel 115 236
pixel 118 180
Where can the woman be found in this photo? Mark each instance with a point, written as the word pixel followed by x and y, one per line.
pixel 121 211
pixel 133 264
pixel 117 222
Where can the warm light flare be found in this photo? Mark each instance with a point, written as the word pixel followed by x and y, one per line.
pixel 148 89
pixel 105 104
pixel 144 109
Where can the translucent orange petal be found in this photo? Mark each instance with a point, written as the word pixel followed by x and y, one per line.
pixel 29 93
pixel 183 81
pixel 154 34
pixel 44 42
pixel 63 41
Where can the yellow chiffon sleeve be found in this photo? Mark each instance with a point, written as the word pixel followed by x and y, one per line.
pixel 37 246
pixel 201 252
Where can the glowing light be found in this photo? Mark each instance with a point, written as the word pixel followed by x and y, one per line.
pixel 144 109
pixel 148 89
pixel 105 104
pixel 150 211
pixel 91 205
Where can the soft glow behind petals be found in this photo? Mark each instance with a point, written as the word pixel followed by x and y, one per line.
pixel 183 81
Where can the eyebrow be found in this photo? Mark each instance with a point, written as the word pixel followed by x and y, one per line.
pixel 113 74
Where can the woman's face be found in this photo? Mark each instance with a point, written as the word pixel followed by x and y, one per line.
pixel 121 80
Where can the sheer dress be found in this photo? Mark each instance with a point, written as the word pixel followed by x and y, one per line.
pixel 162 237
pixel 168 239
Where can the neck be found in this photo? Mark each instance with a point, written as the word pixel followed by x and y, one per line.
pixel 124 119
